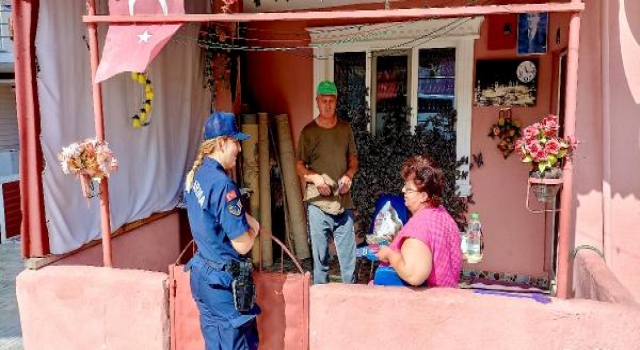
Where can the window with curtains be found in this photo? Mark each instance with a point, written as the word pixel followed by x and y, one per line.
pixel 423 66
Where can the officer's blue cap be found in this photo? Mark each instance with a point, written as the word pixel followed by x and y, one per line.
pixel 222 124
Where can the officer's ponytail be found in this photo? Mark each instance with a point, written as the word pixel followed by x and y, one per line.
pixel 207 147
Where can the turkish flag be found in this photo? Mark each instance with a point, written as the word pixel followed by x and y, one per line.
pixel 131 47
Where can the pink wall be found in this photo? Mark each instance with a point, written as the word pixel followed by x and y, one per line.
pixel 515 239
pixel 608 207
pixel 150 247
pixel 281 82
pixel 84 307
pixel 439 318
pixel 588 163
pixel 621 240
pixel 90 307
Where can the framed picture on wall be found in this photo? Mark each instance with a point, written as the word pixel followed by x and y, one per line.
pixel 510 82
pixel 503 31
pixel 532 33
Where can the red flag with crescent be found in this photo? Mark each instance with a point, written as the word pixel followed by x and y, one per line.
pixel 131 47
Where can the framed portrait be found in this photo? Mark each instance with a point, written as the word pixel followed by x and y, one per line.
pixel 506 83
pixel 532 33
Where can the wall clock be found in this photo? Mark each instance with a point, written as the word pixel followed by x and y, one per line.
pixel 526 71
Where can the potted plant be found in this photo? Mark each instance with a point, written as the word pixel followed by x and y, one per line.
pixel 542 147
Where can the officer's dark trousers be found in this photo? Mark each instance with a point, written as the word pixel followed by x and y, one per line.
pixel 222 326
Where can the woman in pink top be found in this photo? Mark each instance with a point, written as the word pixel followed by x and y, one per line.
pixel 427 249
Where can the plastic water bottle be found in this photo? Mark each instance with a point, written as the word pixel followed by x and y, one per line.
pixel 474 239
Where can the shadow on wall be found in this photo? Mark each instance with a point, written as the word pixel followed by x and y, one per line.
pixel 624 104
pixel 630 44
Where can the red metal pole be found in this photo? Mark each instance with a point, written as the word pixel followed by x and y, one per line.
pixel 34 233
pixel 105 216
pixel 566 237
pixel 412 13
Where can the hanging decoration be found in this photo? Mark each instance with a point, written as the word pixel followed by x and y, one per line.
pixel 227 6
pixel 217 60
pixel 142 118
pixel 131 48
pixel 507 131
pixel 89 160
pixel 476 160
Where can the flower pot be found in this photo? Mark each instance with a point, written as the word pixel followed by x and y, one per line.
pixel 545 190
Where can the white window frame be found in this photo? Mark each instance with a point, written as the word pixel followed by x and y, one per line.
pixel 6 46
pixel 460 34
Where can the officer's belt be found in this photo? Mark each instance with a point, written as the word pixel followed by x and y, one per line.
pixel 232 267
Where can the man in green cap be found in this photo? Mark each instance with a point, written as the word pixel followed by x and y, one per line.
pixel 327 162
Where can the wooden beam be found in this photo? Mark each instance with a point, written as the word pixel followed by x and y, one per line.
pixel 461 11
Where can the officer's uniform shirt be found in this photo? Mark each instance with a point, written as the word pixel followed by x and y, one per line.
pixel 216 217
pixel 216 214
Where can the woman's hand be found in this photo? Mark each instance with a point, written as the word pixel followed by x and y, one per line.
pixel 244 243
pixel 385 253
pixel 253 223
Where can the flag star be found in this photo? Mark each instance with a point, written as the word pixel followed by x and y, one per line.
pixel 144 37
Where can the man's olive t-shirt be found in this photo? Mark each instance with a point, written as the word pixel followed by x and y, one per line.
pixel 326 151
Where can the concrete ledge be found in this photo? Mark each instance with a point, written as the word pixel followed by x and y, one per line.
pixel 594 280
pixel 83 307
pixel 368 317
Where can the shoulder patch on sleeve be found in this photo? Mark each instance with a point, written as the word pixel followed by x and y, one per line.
pixel 234 208
pixel 231 195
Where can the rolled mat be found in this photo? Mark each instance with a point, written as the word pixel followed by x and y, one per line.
pixel 250 169
pixel 265 187
pixel 295 206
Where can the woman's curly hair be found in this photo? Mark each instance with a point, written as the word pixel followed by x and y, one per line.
pixel 427 176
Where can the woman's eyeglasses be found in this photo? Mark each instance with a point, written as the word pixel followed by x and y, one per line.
pixel 406 189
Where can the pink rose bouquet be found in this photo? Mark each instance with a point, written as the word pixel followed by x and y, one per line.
pixel 541 146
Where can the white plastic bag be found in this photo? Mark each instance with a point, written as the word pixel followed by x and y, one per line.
pixel 386 225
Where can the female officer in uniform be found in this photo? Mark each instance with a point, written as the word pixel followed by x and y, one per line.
pixel 223 233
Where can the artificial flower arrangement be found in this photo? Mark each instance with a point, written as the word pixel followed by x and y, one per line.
pixel 541 146
pixel 507 131
pixel 90 160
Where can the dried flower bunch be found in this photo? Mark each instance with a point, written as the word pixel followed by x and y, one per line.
pixel 507 131
pixel 90 157
pixel 90 160
pixel 541 146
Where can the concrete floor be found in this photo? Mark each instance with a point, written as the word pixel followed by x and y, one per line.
pixel 10 265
